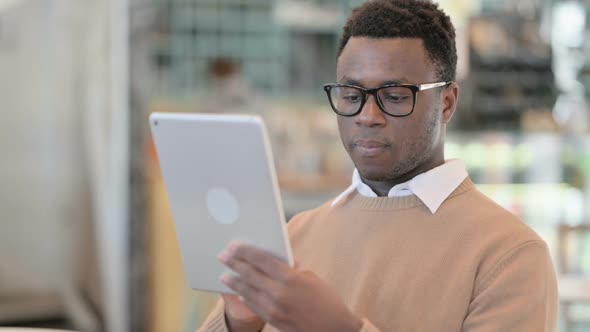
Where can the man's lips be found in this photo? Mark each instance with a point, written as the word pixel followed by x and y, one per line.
pixel 369 148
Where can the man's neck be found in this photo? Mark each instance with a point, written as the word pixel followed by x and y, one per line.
pixel 382 188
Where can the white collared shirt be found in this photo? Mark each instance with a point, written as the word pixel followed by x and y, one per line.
pixel 432 187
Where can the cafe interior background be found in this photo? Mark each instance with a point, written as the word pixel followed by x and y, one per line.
pixel 87 241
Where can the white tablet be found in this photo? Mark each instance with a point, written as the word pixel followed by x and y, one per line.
pixel 221 184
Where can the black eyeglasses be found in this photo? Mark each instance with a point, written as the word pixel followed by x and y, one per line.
pixel 393 99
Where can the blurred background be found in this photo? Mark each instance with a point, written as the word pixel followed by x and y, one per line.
pixel 86 238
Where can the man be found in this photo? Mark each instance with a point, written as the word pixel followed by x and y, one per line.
pixel 411 245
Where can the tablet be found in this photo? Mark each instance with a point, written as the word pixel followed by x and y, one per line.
pixel 221 184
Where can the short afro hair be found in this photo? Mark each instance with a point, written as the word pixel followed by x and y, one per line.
pixel 421 19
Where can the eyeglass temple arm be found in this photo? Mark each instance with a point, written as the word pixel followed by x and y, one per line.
pixel 433 85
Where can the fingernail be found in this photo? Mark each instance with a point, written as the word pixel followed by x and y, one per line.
pixel 225 278
pixel 232 247
pixel 223 257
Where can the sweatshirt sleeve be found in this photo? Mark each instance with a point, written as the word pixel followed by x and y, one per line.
pixel 518 294
pixel 215 322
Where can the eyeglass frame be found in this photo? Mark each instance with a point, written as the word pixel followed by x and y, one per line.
pixel 415 88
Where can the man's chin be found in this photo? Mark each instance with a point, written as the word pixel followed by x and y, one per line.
pixel 374 173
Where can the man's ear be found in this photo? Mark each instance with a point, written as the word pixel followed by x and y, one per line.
pixel 450 97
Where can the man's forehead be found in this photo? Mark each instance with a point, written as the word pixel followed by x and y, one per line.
pixel 369 82
pixel 380 59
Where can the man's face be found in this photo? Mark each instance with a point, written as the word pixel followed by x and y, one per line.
pixel 383 147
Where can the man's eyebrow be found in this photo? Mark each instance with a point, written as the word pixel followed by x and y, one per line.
pixel 398 81
pixel 352 81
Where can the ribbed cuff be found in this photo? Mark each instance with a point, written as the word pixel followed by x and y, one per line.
pixel 215 322
pixel 368 327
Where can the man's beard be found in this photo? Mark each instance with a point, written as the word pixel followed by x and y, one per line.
pixel 419 152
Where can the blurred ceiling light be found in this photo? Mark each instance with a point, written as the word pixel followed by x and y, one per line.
pixel 308 15
pixel 569 22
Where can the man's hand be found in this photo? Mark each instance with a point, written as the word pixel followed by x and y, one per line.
pixel 289 299
pixel 238 317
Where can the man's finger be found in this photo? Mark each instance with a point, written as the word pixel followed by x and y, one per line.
pixel 253 298
pixel 247 272
pixel 242 288
pixel 262 260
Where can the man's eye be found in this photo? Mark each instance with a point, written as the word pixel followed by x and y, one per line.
pixel 396 98
pixel 352 98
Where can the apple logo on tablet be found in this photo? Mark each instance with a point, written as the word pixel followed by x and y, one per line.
pixel 223 206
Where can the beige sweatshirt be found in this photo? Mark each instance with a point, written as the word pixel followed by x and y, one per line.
pixel 471 266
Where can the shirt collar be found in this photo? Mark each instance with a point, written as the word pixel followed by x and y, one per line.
pixel 432 187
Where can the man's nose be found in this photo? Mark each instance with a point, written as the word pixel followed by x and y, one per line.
pixel 371 115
